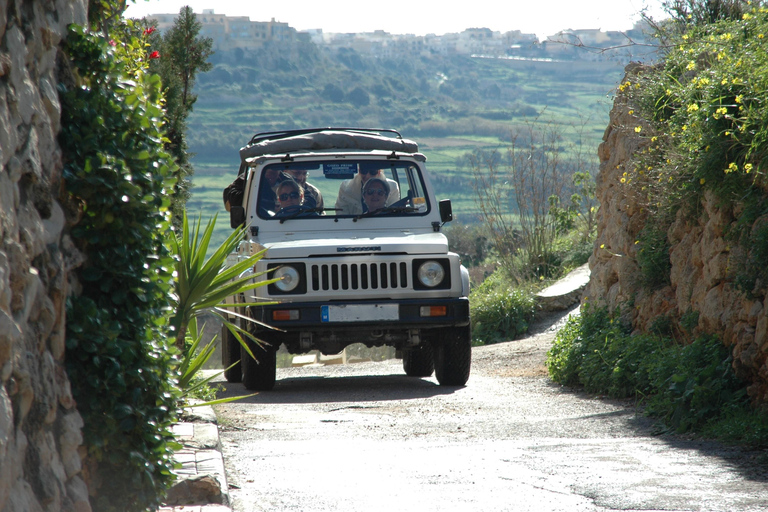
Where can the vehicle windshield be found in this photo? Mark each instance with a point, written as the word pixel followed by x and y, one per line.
pixel 345 188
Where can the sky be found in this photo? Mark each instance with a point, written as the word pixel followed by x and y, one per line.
pixel 421 17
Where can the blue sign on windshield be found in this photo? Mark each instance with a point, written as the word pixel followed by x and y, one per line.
pixel 340 168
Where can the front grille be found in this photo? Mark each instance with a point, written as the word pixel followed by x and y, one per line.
pixel 359 276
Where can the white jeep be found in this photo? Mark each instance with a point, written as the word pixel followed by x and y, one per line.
pixel 348 275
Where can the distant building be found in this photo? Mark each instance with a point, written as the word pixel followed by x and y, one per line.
pixel 230 32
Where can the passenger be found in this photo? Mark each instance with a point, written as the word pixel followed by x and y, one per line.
pixel 375 194
pixel 290 197
pixel 312 196
pixel 233 194
pixel 350 199
pixel 267 195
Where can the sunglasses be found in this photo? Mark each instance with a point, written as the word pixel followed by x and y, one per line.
pixel 369 171
pixel 376 191
pixel 290 195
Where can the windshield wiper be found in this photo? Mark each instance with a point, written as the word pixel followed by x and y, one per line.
pixel 388 209
pixel 300 211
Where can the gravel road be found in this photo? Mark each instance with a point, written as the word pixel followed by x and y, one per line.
pixel 364 437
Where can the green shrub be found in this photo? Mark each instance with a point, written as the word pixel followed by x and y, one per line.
pixel 689 387
pixel 694 384
pixel 118 360
pixel 500 312
pixel 653 256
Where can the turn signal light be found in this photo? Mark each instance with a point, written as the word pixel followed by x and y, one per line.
pixel 433 311
pixel 285 314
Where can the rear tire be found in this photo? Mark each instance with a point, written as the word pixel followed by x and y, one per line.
pixel 259 374
pixel 453 356
pixel 419 361
pixel 230 355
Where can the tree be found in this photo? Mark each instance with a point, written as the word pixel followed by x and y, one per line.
pixel 180 54
pixel 359 97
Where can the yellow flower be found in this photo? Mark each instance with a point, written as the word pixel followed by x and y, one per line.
pixel 631 112
pixel 702 180
pixel 732 167
pixel 602 246
pixel 691 65
pixel 722 111
pixel 623 180
pixel 739 98
pixel 654 138
pixel 693 107
pixel 638 129
pixel 685 127
pixel 748 168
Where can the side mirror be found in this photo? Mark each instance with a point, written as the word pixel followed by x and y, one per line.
pixel 236 216
pixel 446 211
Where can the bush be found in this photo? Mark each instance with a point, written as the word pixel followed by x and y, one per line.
pixel 118 360
pixel 499 312
pixel 689 387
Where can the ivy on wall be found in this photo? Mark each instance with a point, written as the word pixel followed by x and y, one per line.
pixel 118 359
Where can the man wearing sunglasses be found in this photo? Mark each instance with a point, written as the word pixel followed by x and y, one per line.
pixel 350 198
pixel 312 196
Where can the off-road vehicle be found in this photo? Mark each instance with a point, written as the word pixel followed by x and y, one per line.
pixel 348 275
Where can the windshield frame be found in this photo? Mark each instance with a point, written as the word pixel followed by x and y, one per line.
pixel 405 178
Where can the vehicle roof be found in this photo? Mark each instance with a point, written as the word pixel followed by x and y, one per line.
pixel 315 139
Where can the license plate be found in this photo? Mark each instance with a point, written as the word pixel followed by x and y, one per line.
pixel 360 312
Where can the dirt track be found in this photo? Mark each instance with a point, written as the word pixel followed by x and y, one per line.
pixel 365 437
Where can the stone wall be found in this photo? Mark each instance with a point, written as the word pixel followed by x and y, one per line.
pixel 702 261
pixel 40 428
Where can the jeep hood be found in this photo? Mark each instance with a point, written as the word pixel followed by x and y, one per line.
pixel 432 243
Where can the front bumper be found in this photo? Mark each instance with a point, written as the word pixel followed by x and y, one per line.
pixel 369 314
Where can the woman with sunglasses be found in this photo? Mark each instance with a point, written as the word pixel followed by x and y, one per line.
pixel 350 199
pixel 290 199
pixel 375 194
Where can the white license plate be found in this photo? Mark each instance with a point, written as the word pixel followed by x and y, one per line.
pixel 360 312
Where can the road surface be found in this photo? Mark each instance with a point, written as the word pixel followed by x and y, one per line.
pixel 364 437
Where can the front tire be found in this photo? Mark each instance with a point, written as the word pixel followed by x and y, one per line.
pixel 259 372
pixel 230 355
pixel 453 356
pixel 419 361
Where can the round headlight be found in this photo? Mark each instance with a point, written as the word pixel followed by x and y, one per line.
pixel 431 273
pixel 289 278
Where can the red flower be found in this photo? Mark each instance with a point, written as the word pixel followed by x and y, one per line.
pixel 154 55
pixel 112 42
pixel 149 30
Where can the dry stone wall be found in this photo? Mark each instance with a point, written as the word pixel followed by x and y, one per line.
pixel 702 261
pixel 40 428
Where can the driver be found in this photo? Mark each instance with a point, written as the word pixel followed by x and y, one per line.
pixel 350 199
pixel 375 193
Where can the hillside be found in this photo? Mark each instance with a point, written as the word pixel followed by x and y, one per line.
pixel 452 105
